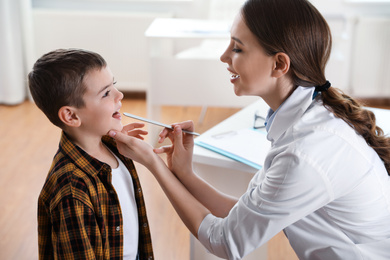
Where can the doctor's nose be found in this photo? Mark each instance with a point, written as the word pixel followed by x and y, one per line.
pixel 225 57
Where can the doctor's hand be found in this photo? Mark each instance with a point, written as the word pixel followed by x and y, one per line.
pixel 179 154
pixel 133 129
pixel 130 144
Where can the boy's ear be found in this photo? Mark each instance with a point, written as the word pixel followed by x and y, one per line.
pixel 69 116
pixel 281 64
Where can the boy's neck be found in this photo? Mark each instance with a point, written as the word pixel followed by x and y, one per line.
pixel 94 146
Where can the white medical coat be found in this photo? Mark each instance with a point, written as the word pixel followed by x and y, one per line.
pixel 321 183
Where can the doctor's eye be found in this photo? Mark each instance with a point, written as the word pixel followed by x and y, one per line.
pixel 236 50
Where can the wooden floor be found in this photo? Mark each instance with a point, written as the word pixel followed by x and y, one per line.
pixel 28 142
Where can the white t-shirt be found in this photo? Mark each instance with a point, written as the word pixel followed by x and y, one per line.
pixel 123 184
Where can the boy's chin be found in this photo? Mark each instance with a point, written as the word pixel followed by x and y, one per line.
pixel 118 129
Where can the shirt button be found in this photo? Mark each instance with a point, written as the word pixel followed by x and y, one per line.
pixel 118 228
pixel 145 224
pixel 150 257
pixel 112 191
pixel 139 189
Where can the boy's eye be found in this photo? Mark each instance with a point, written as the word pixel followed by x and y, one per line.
pixel 106 93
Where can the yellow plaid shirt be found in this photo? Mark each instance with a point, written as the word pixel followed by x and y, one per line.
pixel 79 216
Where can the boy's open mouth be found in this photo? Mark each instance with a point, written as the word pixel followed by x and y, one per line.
pixel 116 115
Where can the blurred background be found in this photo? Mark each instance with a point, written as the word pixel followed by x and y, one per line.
pixel 116 29
pixel 165 58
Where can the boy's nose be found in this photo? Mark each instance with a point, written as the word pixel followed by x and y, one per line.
pixel 120 95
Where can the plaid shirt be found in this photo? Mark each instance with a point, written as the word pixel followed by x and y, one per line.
pixel 79 216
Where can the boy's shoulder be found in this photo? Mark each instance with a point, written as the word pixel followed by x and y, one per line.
pixel 71 174
pixel 64 181
pixel 74 173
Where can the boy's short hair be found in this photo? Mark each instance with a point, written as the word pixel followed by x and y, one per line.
pixel 57 80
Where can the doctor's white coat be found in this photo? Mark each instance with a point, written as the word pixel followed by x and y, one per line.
pixel 321 183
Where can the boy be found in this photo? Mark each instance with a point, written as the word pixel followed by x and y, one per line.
pixel 91 206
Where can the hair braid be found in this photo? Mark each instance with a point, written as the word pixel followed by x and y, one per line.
pixel 304 35
pixel 360 119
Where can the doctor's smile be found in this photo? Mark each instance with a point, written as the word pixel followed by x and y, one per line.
pixel 233 76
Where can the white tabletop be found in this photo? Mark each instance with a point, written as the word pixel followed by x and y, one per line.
pixel 244 119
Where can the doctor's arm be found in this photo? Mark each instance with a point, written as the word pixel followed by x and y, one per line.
pixel 179 159
pixel 190 210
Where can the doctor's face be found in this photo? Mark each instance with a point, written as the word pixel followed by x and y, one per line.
pixel 249 65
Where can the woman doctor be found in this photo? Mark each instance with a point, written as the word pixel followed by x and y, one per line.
pixel 325 181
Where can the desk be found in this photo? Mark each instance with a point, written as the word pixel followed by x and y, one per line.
pixel 232 177
pixel 191 80
pixel 242 119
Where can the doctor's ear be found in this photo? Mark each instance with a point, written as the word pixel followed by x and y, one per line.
pixel 69 116
pixel 281 64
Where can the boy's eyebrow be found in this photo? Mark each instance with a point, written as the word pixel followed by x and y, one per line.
pixel 105 87
pixel 237 40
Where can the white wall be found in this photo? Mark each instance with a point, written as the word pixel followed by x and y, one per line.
pixel 115 29
pixel 117 36
pixel 180 8
pixel 360 54
pixel 123 45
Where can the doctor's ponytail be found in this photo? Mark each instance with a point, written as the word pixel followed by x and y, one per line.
pixel 360 119
pixel 296 28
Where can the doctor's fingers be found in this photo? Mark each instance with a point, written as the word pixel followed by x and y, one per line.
pixel 176 138
pixel 132 126
pixel 163 134
pixel 163 149
pixel 186 125
pixel 135 132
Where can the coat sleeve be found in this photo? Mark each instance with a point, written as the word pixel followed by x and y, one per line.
pixel 289 190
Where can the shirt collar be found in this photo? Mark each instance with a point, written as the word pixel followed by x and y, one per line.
pixel 81 158
pixel 289 112
pixel 270 118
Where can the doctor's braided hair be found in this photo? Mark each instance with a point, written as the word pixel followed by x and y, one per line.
pixel 296 28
